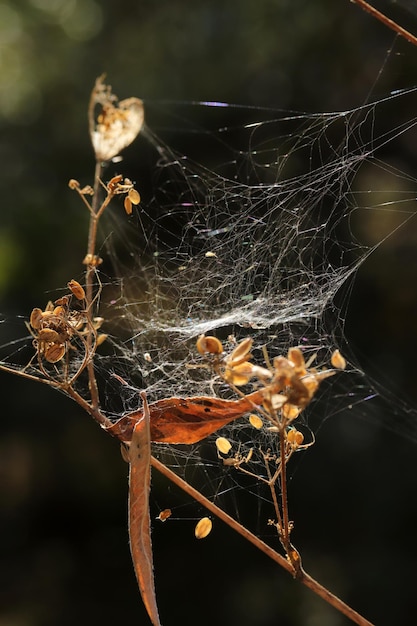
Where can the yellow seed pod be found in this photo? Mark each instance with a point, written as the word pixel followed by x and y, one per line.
pixel 290 411
pixel 127 203
pixel 48 335
pixel 101 339
pixel 35 318
pixel 209 344
pixel 59 311
pixel 54 352
pixel 134 196
pixel 255 421
pixel 203 528
pixel 338 361
pixel 76 289
pixel 223 445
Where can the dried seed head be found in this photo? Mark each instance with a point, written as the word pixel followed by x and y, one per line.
pixel 134 196
pixel 76 289
pixel 338 361
pixel 164 515
pixel 295 437
pixel 54 352
pixel 255 421
pixel 209 344
pixel 203 528
pixel 117 125
pixel 223 445
pixel 35 318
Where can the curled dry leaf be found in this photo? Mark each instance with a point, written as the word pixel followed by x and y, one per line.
pixel 117 123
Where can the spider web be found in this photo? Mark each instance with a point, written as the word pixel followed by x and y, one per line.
pixel 248 227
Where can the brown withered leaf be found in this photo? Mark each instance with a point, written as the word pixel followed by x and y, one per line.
pixel 185 420
pixel 139 456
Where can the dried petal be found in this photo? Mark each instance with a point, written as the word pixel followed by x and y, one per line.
pixel 203 528
pixel 239 374
pixel 223 445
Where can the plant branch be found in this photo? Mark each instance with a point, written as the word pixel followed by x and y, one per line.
pixel 387 21
pixel 302 576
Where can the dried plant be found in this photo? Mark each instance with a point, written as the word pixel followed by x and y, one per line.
pixel 66 337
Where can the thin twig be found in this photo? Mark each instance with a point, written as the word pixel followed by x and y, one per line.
pixel 306 579
pixel 387 21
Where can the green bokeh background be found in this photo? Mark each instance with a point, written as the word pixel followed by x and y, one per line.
pixel 64 555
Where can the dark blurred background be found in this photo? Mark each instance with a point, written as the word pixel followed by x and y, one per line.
pixel 64 545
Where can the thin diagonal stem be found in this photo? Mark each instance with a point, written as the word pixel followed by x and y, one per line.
pixel 387 21
pixel 302 576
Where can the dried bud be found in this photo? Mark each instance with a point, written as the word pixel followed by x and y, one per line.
pixel 76 289
pixel 164 515
pixel 73 184
pixel 203 528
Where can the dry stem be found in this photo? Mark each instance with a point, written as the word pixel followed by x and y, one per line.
pixel 387 21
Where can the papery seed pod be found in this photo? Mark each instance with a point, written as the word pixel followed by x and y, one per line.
pixel 296 357
pixel 62 301
pixel 73 184
pixel 35 318
pixel 337 360
pixel 76 289
pixel 241 353
pixel 290 411
pixel 203 528
pixel 239 375
pixel 59 311
pixel 164 515
pixel 112 184
pixel 208 344
pixel 48 335
pixel 134 196
pixel 223 445
pixel 255 421
pixel 54 352
pixel 128 205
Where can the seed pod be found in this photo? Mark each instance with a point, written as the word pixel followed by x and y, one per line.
pixel 241 353
pixel 239 374
pixel 134 196
pixel 48 335
pixel 209 344
pixel 338 361
pixel 164 515
pixel 223 445
pixel 59 311
pixel 76 289
pixel 290 411
pixel 128 205
pixel 73 184
pixel 203 528
pixel 101 339
pixel 295 437
pixel 255 421
pixel 35 318
pixel 54 352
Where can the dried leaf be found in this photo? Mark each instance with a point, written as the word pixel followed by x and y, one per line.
pixel 186 420
pixel 139 519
